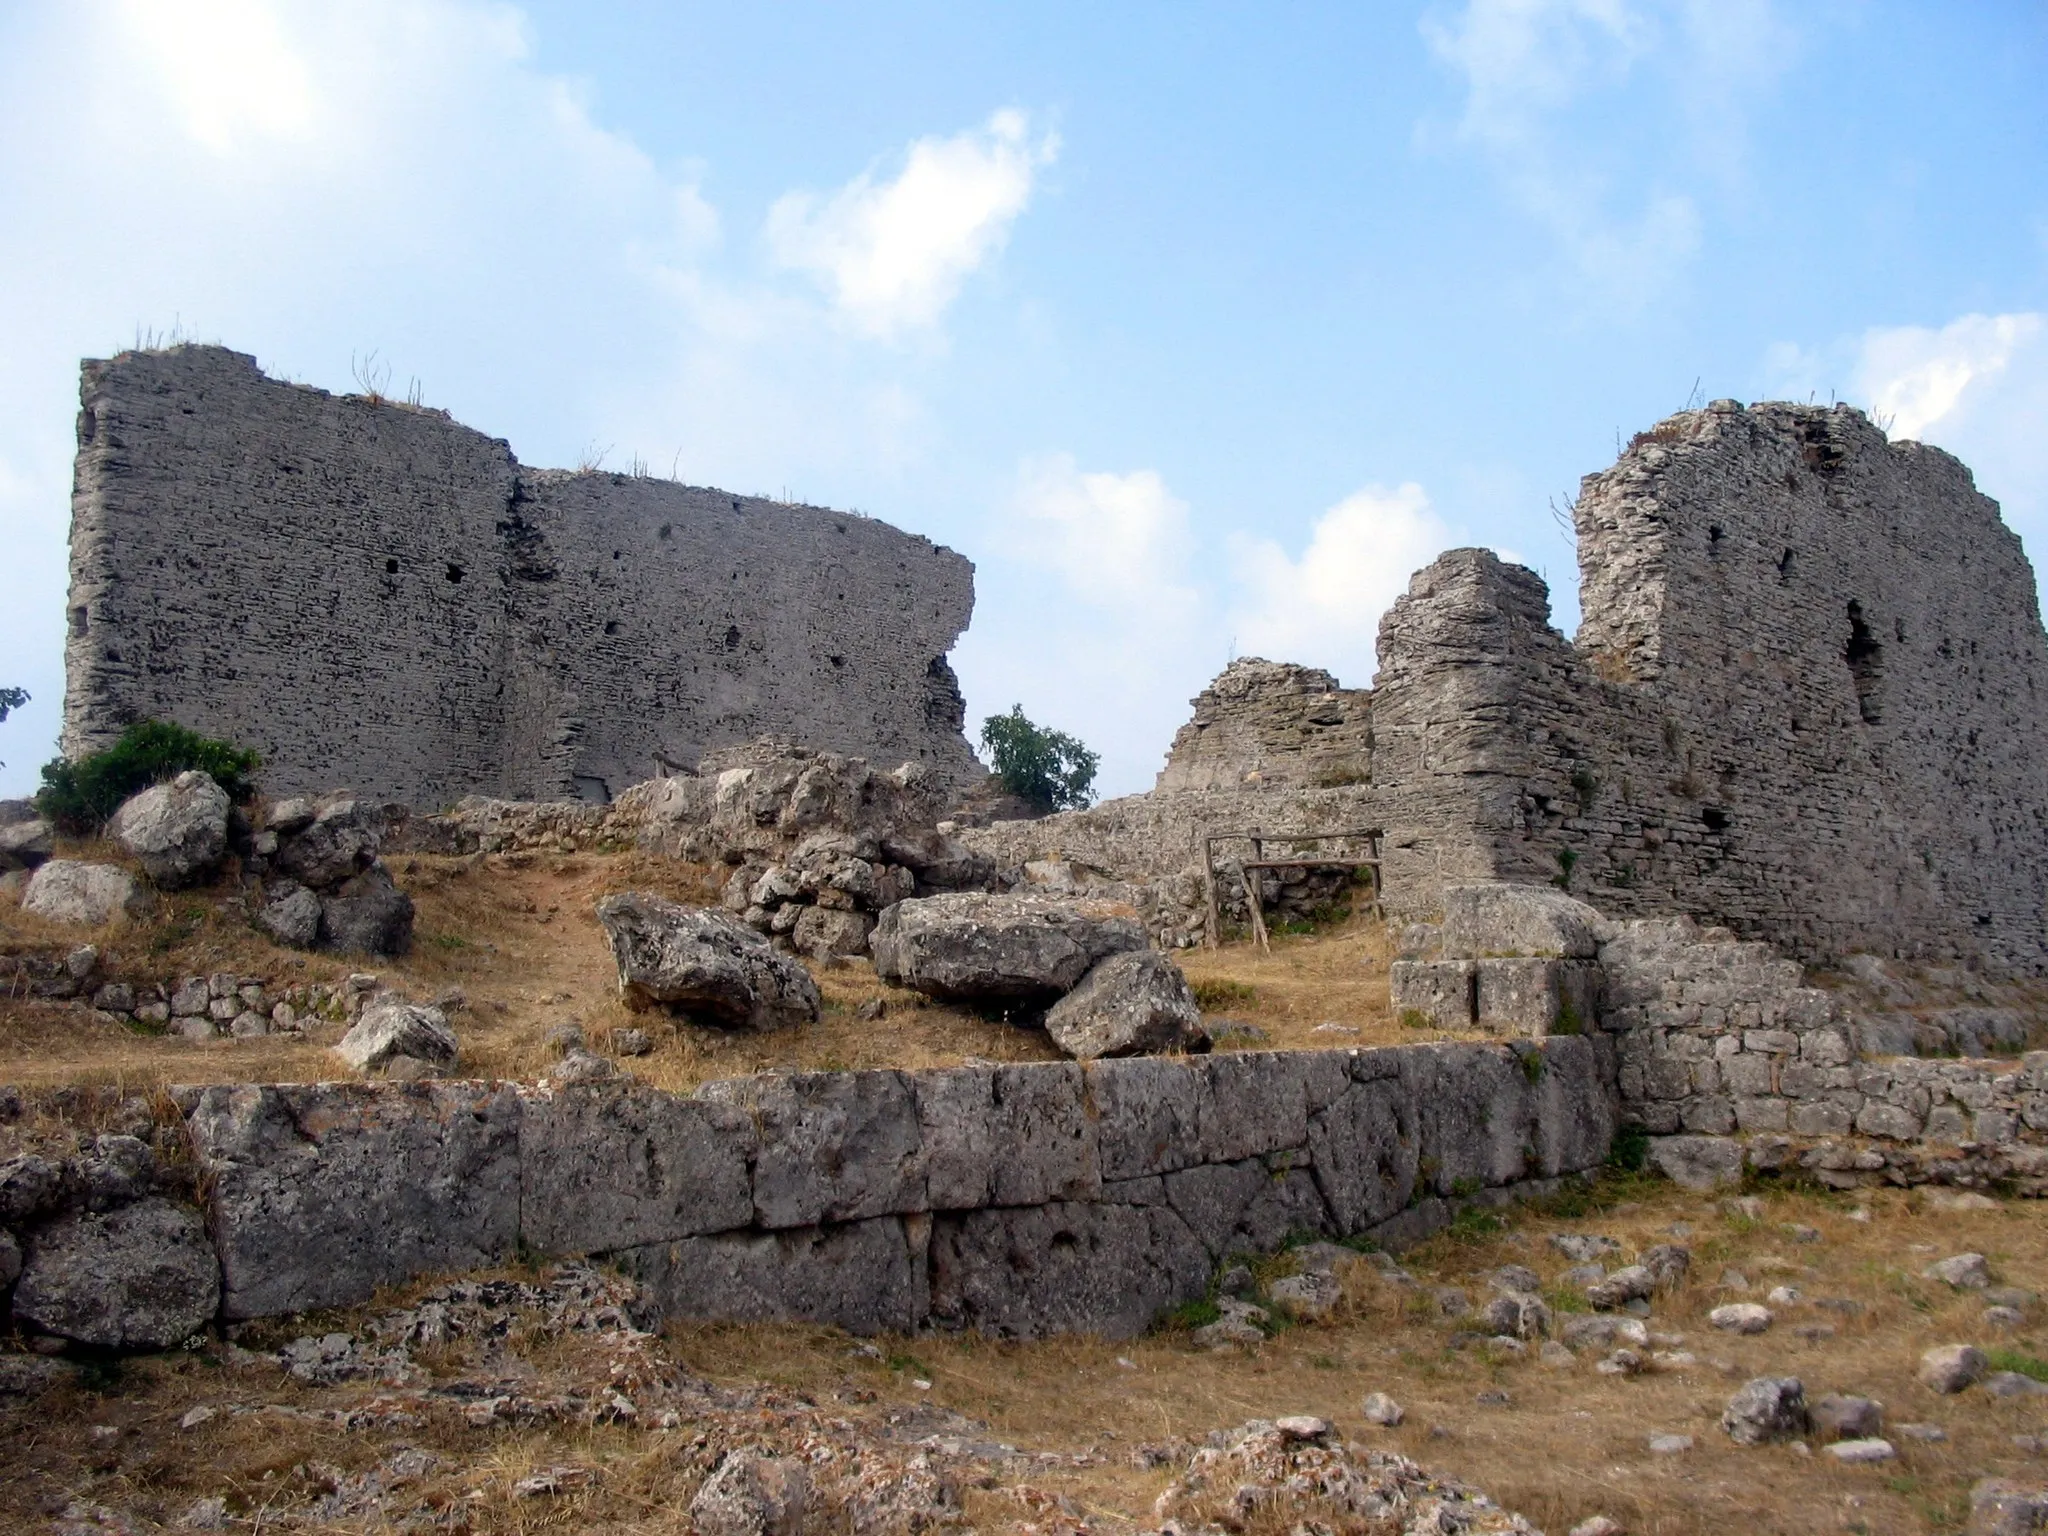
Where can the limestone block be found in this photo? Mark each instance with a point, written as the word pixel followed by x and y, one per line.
pixel 1442 992
pixel 1146 1115
pixel 1747 1074
pixel 1889 1121
pixel 143 1276
pixel 1762 1114
pixel 88 895
pixel 1697 1162
pixel 1063 1268
pixel 392 1028
pixel 1130 1004
pixel 1573 1105
pixel 1366 1150
pixel 1042 1141
pixel 834 1146
pixel 604 1167
pixel 1249 1103
pixel 970 946
pixel 339 842
pixel 367 914
pixel 1537 997
pixel 292 917
pixel 821 932
pixel 955 1113
pixel 703 964
pixel 431 1172
pixel 1474 1111
pixel 1212 1196
pixel 25 844
pixel 864 1276
pixel 177 831
pixel 1500 919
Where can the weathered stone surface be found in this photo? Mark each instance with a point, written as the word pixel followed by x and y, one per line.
pixel 443 654
pixel 1271 725
pixel 177 831
pixel 1700 1163
pixel 1836 1416
pixel 89 895
pixel 140 1277
pixel 822 932
pixel 1366 1152
pixel 1999 1507
pixel 1962 1272
pixel 1497 919
pixel 703 965
pixel 292 917
pixel 1474 1108
pixel 602 1168
pixel 27 842
pixel 1063 1268
pixel 834 1146
pixel 392 1028
pixel 1147 1110
pixel 1018 1135
pixel 367 914
pixel 29 1185
pixel 1441 994
pixel 1131 1004
pixel 752 1495
pixel 1950 1368
pixel 338 842
pixel 863 1276
pixel 1536 997
pixel 1767 1408
pixel 10 1259
pixel 969 946
pixel 431 1171
pixel 1574 1106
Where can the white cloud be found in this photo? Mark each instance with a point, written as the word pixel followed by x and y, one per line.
pixel 893 254
pixel 1118 541
pixel 226 67
pixel 1621 208
pixel 1324 608
pixel 1914 377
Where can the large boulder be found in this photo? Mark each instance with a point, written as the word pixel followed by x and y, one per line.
pixel 973 947
pixel 367 914
pixel 291 916
pixel 71 891
pixel 26 839
pixel 1767 1408
pixel 178 831
pixel 390 1029
pixel 340 841
pixel 140 1277
pixel 704 965
pixel 1495 918
pixel 1132 1004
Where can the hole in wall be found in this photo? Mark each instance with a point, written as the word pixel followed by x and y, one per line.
pixel 391 567
pixel 79 620
pixel 1714 538
pixel 837 661
pixel 1865 657
pixel 732 637
pixel 454 571
pixel 88 425
pixel 665 531
pixel 1784 564
pixel 1714 819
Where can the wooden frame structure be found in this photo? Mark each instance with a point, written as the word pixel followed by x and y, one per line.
pixel 1212 933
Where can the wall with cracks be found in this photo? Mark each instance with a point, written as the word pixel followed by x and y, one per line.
pixel 371 594
pixel 1016 1200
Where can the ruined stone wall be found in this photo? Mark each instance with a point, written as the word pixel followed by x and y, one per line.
pixel 1016 1200
pixel 1802 703
pixel 1272 725
pixel 371 594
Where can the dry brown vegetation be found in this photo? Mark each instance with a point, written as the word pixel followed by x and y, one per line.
pixel 518 935
pixel 1564 1444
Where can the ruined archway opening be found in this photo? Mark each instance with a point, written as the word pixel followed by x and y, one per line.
pixel 1864 654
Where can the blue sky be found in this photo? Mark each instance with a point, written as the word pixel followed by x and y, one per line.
pixel 1196 327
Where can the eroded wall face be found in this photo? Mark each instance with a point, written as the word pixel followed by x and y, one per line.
pixel 374 596
pixel 1803 701
pixel 1272 725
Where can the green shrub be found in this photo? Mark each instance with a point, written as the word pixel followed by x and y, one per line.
pixel 2006 1358
pixel 1221 992
pixel 80 797
pixel 1049 768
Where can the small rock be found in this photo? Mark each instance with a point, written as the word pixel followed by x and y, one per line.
pixel 2013 1384
pixel 2004 1317
pixel 1740 1317
pixel 1949 1368
pixel 1667 1263
pixel 194 1417
pixel 2012 1296
pixel 1733 1280
pixel 1303 1427
pixel 1633 1283
pixel 143 1276
pixel 1311 1295
pixel 1669 1445
pixel 291 916
pixel 1799 1232
pixel 1580 1247
pixel 87 895
pixel 1622 1362
pixel 1744 1207
pixel 1517 1316
pixel 551 1480
pixel 1494 1397
pixel 1236 1281
pixel 1963 1272
pixel 205 1515
pixel 563 1038
pixel 1959 1200
pixel 1130 1004
pixel 1783 1296
pixel 1927 1433
pixel 1380 1409
pixel 1767 1408
pixel 632 1042
pixel 393 1028
pixel 2002 1508
pixel 871 1010
pixel 1516 1280
pixel 752 1495
pixel 704 965
pixel 1839 1417
pixel 1556 1356
pixel 249 1025
pixel 581 1066
pixel 1598 1525
pixel 1862 1452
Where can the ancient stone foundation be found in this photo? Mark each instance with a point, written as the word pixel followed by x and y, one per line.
pixel 1016 1200
pixel 370 594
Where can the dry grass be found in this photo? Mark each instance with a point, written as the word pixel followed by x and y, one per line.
pixel 1565 1444
pixel 518 934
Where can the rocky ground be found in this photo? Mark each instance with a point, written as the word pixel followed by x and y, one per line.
pixel 532 1401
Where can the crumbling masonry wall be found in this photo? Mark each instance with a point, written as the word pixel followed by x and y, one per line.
pixel 373 595
pixel 1804 702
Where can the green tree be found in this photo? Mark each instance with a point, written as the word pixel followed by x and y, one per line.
pixel 1049 768
pixel 81 796
pixel 11 699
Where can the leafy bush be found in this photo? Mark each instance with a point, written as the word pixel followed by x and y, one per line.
pixel 1049 768
pixel 80 797
pixel 11 699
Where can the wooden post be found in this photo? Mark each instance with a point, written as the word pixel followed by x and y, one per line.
pixel 1254 898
